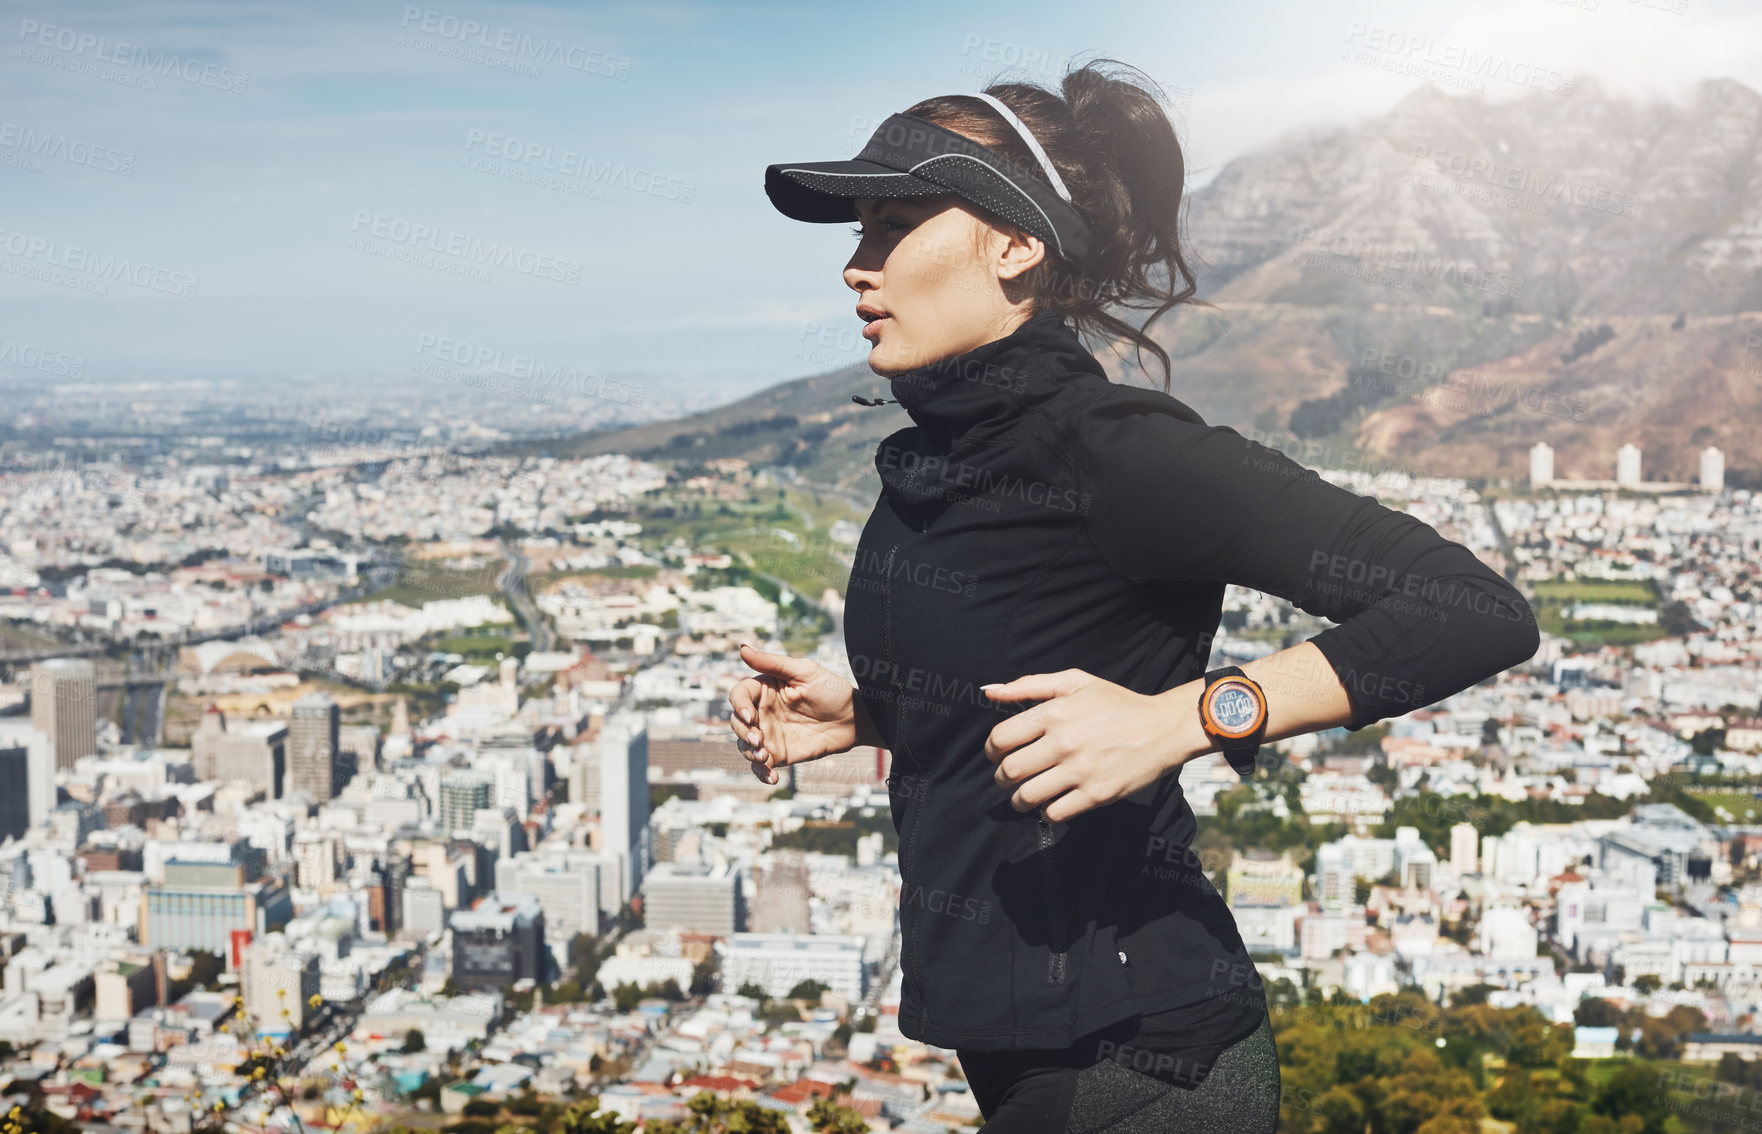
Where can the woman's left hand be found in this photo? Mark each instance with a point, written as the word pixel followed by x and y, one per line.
pixel 1087 744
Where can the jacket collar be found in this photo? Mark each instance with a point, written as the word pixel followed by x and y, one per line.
pixel 995 381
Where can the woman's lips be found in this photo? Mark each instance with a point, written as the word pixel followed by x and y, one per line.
pixel 873 325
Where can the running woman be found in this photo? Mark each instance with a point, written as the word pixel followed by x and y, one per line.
pixel 1032 604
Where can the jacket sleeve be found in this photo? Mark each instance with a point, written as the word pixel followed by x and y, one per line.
pixel 1420 617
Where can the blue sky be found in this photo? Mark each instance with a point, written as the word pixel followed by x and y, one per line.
pixel 253 185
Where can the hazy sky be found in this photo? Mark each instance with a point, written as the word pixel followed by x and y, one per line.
pixel 344 190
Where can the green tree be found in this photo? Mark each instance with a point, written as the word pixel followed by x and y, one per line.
pixel 1515 1100
pixel 1473 994
pixel 827 1117
pixel 809 990
pixel 1633 1093
pixel 1340 1111
pixel 1595 1012
pixel 585 1117
pixel 713 1115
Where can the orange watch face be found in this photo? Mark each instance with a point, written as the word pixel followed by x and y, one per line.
pixel 1233 707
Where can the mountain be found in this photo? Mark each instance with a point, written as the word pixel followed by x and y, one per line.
pixel 1436 289
pixel 810 423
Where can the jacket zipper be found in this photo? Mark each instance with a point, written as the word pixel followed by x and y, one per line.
pixel 1055 965
pixel 911 945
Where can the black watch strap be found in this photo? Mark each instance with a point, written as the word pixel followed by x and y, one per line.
pixel 1239 749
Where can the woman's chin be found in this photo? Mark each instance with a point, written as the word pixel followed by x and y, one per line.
pixel 891 357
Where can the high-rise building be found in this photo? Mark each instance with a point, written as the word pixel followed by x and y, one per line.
pixel 499 942
pixel 777 962
pixel 567 891
pixel 201 903
pixel 781 895
pixel 27 777
pixel 358 746
pixel 694 897
pixel 422 909
pixel 315 854
pixel 64 699
pixel 386 895
pixel 1463 841
pixel 462 794
pixel 1541 464
pixel 278 979
pixel 1712 470
pixel 124 987
pixel 624 797
pixel 1262 877
pixel 312 747
pixel 1627 465
pixel 252 751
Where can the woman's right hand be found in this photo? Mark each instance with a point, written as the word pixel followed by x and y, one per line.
pixel 793 710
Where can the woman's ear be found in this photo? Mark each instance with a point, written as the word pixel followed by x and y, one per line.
pixel 1019 254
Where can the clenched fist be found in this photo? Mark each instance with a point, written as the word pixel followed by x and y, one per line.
pixel 793 710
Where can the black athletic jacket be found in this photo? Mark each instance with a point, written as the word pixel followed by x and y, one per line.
pixel 1039 517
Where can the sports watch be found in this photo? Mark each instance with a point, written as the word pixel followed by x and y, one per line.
pixel 1232 710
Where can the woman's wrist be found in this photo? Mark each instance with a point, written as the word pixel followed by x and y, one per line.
pixel 865 730
pixel 1185 738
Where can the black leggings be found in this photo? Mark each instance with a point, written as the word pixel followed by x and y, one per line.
pixel 1041 1095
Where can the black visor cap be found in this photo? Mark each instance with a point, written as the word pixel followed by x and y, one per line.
pixel 909 156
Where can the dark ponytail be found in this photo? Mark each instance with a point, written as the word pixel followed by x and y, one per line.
pixel 1117 153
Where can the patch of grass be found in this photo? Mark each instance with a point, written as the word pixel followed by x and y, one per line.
pixel 480 645
pixel 1600 1071
pixel 413 588
pixel 1595 632
pixel 1597 590
pixel 545 580
pixel 15 636
pixel 1743 806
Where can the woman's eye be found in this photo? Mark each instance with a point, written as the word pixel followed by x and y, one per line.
pixel 886 226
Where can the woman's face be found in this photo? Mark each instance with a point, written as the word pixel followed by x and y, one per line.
pixel 943 278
